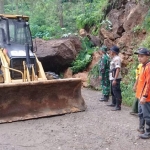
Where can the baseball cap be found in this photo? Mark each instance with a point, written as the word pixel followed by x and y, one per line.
pixel 115 49
pixel 143 51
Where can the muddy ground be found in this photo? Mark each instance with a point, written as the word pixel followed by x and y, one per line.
pixel 97 128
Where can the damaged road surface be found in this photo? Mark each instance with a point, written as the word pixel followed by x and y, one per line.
pixel 97 128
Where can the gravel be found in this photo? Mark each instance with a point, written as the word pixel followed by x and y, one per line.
pixel 97 128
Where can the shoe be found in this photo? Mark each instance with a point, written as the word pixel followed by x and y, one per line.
pixel 111 105
pixel 133 113
pixel 141 130
pixel 102 98
pixel 106 98
pixel 144 136
pixel 116 109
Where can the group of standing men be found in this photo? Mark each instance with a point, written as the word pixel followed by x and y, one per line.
pixel 110 76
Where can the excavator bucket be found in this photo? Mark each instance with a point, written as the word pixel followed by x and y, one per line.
pixel 26 100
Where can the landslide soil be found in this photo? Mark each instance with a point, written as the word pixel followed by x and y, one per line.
pixel 97 128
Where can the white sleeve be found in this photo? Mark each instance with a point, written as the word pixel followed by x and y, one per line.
pixel 117 63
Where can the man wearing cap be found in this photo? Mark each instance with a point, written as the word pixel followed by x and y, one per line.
pixel 143 92
pixel 104 73
pixel 115 78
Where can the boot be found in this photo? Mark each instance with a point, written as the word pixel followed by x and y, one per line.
pixel 113 104
pixel 133 113
pixel 116 109
pixel 106 98
pixel 118 104
pixel 102 98
pixel 141 126
pixel 146 135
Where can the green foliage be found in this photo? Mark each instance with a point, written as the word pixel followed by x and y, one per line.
pixel 48 17
pixel 146 23
pixel 92 15
pixel 146 43
pixel 137 29
pixel 94 72
pixel 107 24
pixel 84 57
pixel 128 95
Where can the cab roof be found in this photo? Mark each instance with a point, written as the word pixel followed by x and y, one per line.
pixel 26 18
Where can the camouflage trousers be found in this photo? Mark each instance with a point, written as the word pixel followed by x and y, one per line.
pixel 105 85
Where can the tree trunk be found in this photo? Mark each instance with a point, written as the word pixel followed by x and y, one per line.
pixel 60 13
pixel 17 9
pixel 1 6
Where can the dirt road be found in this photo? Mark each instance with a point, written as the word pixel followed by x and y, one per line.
pixel 97 128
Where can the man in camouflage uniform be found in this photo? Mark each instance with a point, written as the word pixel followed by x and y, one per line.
pixel 104 66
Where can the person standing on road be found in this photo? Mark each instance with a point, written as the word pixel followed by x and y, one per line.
pixel 104 66
pixel 115 78
pixel 135 102
pixel 143 93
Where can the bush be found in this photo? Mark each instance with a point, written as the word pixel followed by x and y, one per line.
pixel 84 57
pixel 128 95
pixel 146 23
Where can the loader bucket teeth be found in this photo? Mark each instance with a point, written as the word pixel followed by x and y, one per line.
pixel 29 100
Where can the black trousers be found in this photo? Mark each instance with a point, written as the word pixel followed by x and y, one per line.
pixel 116 93
pixel 144 116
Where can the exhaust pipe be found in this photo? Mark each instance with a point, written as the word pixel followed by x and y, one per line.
pixel 28 62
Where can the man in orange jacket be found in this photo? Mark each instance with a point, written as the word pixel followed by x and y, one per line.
pixel 143 91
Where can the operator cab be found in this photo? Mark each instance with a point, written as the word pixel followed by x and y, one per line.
pixel 14 35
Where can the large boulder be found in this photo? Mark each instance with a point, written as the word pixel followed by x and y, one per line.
pixel 117 19
pixel 57 55
pixel 107 34
pixel 135 17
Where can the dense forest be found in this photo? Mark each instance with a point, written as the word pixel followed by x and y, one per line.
pixel 52 18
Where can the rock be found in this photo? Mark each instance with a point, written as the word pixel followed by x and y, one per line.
pixel 84 78
pixel 95 59
pixel 125 40
pixel 57 55
pixel 82 33
pixel 94 39
pixel 117 19
pixel 68 73
pixel 135 17
pixel 108 43
pixel 106 34
pixel 95 83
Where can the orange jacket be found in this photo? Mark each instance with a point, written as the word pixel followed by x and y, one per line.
pixel 143 85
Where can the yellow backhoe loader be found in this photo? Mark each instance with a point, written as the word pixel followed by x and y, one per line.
pixel 25 92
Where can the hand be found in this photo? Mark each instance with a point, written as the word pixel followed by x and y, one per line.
pixel 143 100
pixel 114 82
pixel 100 77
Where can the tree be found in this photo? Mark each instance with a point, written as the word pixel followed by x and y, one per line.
pixel 1 6
pixel 60 13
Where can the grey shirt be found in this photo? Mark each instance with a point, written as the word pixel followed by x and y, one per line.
pixel 115 63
